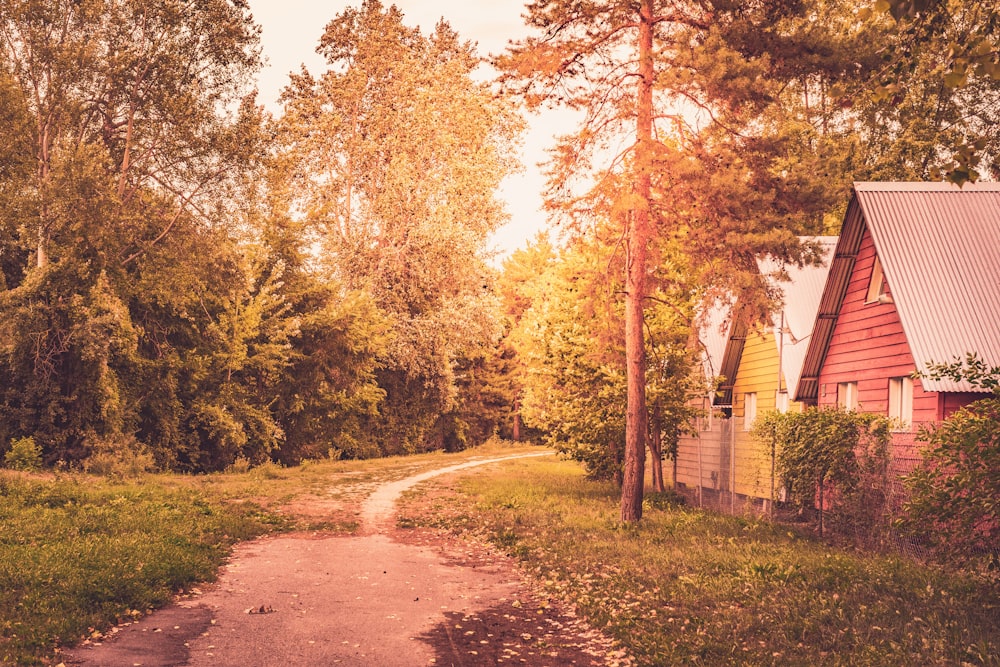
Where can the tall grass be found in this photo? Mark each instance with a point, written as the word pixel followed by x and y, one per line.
pixel 690 587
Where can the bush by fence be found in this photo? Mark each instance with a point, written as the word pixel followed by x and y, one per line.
pixel 835 462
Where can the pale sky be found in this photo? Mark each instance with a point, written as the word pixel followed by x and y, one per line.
pixel 290 32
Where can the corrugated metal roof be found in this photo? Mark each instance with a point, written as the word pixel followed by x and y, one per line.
pixel 713 335
pixel 939 246
pixel 722 336
pixel 801 297
pixel 940 249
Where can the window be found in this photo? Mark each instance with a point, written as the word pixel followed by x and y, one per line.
pixel 847 395
pixel 901 400
pixel 781 401
pixel 878 292
pixel 749 409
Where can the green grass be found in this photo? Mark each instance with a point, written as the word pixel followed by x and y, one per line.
pixel 690 587
pixel 78 552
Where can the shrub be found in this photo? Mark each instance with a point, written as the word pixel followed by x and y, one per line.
pixel 118 457
pixel 833 461
pixel 239 466
pixel 23 454
pixel 954 504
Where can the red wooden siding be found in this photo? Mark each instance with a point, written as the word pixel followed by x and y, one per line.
pixel 868 346
pixel 952 401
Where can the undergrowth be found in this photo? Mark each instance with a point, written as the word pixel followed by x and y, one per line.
pixel 690 587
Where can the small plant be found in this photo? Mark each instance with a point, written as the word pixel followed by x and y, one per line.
pixel 269 470
pixel 118 458
pixel 24 454
pixel 239 466
pixel 662 500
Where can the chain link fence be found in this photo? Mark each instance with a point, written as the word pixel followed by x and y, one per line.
pixel 723 469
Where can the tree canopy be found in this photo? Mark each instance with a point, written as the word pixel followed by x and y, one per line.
pixel 188 280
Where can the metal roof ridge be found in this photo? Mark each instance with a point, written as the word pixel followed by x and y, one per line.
pixel 925 186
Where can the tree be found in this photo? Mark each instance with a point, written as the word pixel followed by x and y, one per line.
pixel 951 48
pixel 567 331
pixel 395 154
pixel 633 69
pixel 131 133
pixel 583 44
pixel 147 302
pixel 574 381
pixel 149 82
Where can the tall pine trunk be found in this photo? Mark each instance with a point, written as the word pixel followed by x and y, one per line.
pixel 637 242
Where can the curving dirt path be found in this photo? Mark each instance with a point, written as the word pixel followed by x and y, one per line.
pixel 364 600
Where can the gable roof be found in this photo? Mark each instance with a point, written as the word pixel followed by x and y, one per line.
pixel 939 246
pixel 713 337
pixel 793 322
pixel 801 293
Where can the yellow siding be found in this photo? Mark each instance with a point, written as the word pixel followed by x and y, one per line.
pixel 729 458
pixel 758 373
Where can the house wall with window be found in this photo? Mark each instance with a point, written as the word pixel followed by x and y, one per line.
pixel 868 351
pixel 699 454
pixel 754 393
pixel 914 281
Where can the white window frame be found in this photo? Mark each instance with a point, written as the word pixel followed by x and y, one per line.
pixel 781 401
pixel 878 291
pixel 847 395
pixel 901 401
pixel 749 409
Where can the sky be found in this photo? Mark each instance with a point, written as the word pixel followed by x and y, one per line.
pixel 290 31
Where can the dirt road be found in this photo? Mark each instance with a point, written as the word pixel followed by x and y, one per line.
pixel 383 597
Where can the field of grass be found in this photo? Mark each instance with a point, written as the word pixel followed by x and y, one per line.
pixel 690 587
pixel 78 553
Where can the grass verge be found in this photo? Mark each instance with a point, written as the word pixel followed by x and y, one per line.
pixel 690 587
pixel 77 554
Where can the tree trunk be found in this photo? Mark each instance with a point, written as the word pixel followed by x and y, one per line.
pixel 637 242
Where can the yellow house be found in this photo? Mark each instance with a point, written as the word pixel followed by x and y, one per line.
pixel 759 370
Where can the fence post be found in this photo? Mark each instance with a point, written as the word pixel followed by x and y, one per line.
pixel 821 506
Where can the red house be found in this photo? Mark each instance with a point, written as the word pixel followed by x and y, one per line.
pixel 915 279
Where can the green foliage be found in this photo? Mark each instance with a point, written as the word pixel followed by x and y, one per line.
pixel 396 153
pixel 155 309
pixel 693 587
pixel 121 459
pixel 954 495
pixel 833 460
pixel 574 385
pixel 972 369
pixel 568 337
pixel 24 454
pixel 955 47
